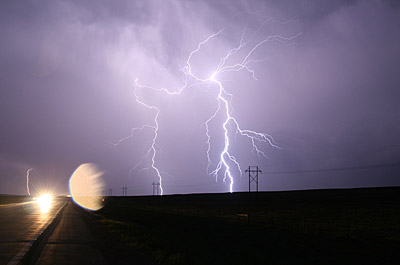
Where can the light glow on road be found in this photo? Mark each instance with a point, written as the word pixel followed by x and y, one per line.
pixel 44 202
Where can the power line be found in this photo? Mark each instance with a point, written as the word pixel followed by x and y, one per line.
pixel 333 169
pixel 253 176
pixel 366 152
pixel 156 188
pixel 124 191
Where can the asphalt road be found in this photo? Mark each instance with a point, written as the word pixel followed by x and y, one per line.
pixel 71 242
pixel 21 224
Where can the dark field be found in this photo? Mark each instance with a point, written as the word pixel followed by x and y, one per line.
pixel 7 199
pixel 355 226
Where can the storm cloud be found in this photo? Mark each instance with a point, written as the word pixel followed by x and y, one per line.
pixel 329 97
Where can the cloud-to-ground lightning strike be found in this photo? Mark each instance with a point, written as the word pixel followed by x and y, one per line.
pixel 27 180
pixel 224 107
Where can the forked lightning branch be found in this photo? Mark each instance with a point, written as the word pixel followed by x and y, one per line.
pixel 258 141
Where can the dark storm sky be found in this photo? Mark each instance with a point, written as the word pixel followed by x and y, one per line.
pixel 330 98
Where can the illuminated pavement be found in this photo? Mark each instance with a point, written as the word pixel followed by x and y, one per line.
pixel 71 242
pixel 20 223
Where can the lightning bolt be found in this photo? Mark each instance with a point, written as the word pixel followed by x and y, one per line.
pixel 27 180
pixel 229 124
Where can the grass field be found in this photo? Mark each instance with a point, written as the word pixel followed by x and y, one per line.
pixel 359 226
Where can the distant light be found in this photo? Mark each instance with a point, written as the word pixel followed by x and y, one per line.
pixel 44 202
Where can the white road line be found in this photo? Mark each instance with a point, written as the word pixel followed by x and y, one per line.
pixel 17 258
pixel 16 204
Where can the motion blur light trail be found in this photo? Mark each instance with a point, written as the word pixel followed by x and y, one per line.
pixel 85 186
pixel 229 124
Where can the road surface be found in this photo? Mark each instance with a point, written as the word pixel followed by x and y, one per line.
pixel 71 242
pixel 21 224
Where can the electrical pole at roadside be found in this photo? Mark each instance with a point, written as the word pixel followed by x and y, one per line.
pixel 124 191
pixel 109 192
pixel 253 176
pixel 156 188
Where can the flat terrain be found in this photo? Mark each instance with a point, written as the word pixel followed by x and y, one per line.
pixel 73 236
pixel 354 226
pixel 71 242
pixel 21 221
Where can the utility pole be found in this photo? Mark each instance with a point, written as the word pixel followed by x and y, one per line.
pixel 253 176
pixel 156 188
pixel 109 192
pixel 124 191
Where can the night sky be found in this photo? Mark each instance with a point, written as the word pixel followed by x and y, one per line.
pixel 326 87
